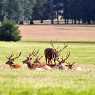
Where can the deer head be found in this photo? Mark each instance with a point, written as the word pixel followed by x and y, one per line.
pixel 70 65
pixel 11 59
pixel 30 57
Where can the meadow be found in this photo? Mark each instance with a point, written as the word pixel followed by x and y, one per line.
pixel 28 82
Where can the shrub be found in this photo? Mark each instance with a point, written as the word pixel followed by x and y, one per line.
pixel 9 31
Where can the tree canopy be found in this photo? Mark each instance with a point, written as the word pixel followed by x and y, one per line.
pixel 72 11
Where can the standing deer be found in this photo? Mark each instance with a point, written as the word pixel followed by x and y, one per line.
pixel 11 60
pixel 52 53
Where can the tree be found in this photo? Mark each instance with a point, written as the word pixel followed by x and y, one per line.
pixel 9 31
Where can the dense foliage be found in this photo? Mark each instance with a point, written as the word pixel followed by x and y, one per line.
pixel 9 31
pixel 72 11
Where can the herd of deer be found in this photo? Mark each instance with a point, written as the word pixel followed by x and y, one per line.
pixel 33 60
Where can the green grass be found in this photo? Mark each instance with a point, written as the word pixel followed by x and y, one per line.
pixel 80 53
pixel 26 82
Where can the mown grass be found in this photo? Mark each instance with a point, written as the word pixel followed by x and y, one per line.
pixel 27 82
pixel 80 53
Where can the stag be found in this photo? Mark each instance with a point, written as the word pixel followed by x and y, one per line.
pixel 36 63
pixel 29 59
pixel 70 65
pixel 11 60
pixel 52 53
pixel 62 61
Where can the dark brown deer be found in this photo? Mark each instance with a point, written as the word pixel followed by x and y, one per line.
pixel 52 53
pixel 11 60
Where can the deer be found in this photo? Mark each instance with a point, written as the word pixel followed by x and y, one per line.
pixel 36 63
pixel 29 59
pixel 70 65
pixel 52 53
pixel 11 60
pixel 61 63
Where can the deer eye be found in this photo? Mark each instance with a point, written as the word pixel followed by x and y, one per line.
pixel 30 58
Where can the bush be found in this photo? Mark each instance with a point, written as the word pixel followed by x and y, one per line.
pixel 9 31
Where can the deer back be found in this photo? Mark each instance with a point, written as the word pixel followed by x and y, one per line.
pixel 50 53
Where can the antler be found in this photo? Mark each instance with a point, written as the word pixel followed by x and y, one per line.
pixel 17 56
pixel 67 56
pixel 40 57
pixel 9 57
pixel 37 59
pixel 64 59
pixel 51 43
pixel 34 52
pixel 65 46
pixel 30 54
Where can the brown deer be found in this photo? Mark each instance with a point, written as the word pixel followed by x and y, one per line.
pixel 61 64
pixel 11 60
pixel 70 65
pixel 52 53
pixel 36 63
pixel 29 59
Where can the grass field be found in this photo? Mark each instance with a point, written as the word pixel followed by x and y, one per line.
pixel 81 53
pixel 70 82
pixel 26 82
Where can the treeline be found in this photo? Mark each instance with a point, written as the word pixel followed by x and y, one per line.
pixel 67 11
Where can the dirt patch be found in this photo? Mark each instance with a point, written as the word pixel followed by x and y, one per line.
pixel 58 32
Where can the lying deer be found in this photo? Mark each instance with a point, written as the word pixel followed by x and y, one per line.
pixel 29 59
pixel 70 65
pixel 52 53
pixel 61 63
pixel 36 63
pixel 11 60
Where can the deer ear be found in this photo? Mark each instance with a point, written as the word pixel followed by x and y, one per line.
pixel 55 50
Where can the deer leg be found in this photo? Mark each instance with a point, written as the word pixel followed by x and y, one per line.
pixel 46 60
pixel 49 61
pixel 55 61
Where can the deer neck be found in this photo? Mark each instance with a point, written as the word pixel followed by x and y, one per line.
pixel 29 64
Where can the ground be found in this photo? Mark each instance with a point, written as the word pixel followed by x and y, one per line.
pixel 58 32
pixel 67 82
